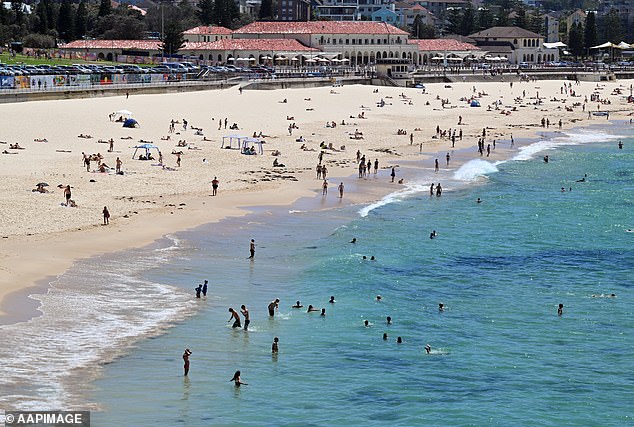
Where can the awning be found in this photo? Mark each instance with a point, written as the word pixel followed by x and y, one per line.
pixel 555 45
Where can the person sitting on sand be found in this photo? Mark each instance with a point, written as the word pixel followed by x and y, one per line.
pixel 182 143
pixel 278 164
pixel 40 140
pixel 165 138
pixel 16 146
pixel 290 117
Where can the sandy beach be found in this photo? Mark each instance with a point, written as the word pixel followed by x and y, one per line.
pixel 41 237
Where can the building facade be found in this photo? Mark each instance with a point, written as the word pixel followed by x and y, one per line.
pixel 515 44
pixel 206 33
pixel 293 10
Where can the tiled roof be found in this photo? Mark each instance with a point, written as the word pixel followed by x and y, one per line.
pixel 436 45
pixel 113 44
pixel 320 27
pixel 504 32
pixel 250 44
pixel 208 29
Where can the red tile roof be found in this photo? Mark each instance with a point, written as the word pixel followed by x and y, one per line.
pixel 437 45
pixel 250 44
pixel 113 44
pixel 320 27
pixel 208 29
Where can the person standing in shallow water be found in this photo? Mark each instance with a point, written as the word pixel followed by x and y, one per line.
pixel 252 249
pixel 186 360
pixel 236 379
pixel 274 346
pixel 560 310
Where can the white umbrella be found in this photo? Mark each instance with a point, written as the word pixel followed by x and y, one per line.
pixel 311 60
pixel 323 60
pixel 231 59
pixel 242 59
pixel 125 113
pixel 281 58
pixel 336 60
pixel 250 59
pixel 345 60
pixel 294 59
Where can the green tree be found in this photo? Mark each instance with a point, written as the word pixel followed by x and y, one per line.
pixel 18 12
pixel 454 19
pixel 173 39
pixel 41 13
pixel 484 19
pixel 575 40
pixel 105 8
pixel 467 23
pixel 206 12
pixel 520 19
pixel 590 31
pixel 225 12
pixel 65 21
pixel 613 30
pixel 81 20
pixel 502 18
pixel 266 9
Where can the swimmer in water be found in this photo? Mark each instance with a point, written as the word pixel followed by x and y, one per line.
pixel 236 379
pixel 354 240
pixel 427 348
pixel 311 309
pixel 323 312
pixel 384 336
pixel 389 320
pixel 372 258
pixel 399 340
pixel 298 304
pixel 621 142
pixel 366 323
pixel 479 200
pixel 332 299
pixel 378 297
pixel 441 306
pixel 274 346
pixel 560 310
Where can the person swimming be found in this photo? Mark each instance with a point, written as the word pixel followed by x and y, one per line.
pixel 354 240
pixel 332 299
pixel 389 320
pixel 378 297
pixel 427 348
pixel 298 304
pixel 441 306
pixel 560 310
pixel 399 340
pixel 366 323
pixel 311 309
pixel 236 379
pixel 384 336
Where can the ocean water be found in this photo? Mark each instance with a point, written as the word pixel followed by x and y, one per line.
pixel 500 353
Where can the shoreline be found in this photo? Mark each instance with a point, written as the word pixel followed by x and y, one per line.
pixel 54 253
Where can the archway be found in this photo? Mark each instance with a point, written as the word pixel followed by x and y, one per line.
pixel 109 57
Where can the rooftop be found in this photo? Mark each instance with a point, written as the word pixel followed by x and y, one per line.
pixel 504 32
pixel 321 27
pixel 208 29
pixel 436 45
pixel 113 44
pixel 250 44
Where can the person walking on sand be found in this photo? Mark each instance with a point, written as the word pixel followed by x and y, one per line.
pixel 178 160
pixel 118 165
pixel 214 186
pixel 236 379
pixel 67 194
pixel 106 216
pixel 186 360
pixel 235 317
pixel 111 145
pixel 273 305
pixel 245 313
pixel 341 190
pixel 324 188
pixel 252 248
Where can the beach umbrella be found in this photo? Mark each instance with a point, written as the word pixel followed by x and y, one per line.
pixel 323 60
pixel 294 59
pixel 125 113
pixel 345 60
pixel 280 58
pixel 41 184
pixel 311 60
pixel 231 59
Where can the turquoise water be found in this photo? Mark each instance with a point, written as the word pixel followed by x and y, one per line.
pixel 500 354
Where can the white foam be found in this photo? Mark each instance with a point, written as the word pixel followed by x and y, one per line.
pixel 474 169
pixel 89 316
pixel 583 137
pixel 397 196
